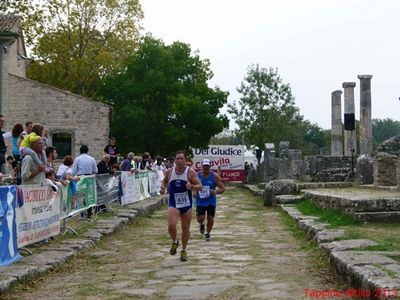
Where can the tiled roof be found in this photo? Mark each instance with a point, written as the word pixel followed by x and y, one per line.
pixel 7 22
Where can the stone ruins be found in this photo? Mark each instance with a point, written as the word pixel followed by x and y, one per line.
pixel 345 163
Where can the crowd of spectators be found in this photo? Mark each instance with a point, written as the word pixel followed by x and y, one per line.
pixel 33 158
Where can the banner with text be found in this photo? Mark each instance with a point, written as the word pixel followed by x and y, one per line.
pixel 38 214
pixel 8 229
pixel 135 187
pixel 78 196
pixel 227 160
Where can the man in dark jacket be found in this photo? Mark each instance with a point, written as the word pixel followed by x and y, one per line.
pixel 103 165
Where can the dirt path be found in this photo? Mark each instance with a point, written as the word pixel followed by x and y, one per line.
pixel 251 255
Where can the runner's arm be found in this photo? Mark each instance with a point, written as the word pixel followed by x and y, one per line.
pixel 194 182
pixel 164 182
pixel 220 185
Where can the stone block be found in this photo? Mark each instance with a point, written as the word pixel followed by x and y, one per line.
pixel 385 169
pixel 364 170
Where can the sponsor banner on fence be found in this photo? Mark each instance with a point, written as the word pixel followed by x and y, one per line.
pixel 78 196
pixel 155 178
pixel 135 187
pixel 8 229
pixel 142 184
pixel 38 214
pixel 128 188
pixel 227 160
pixel 107 188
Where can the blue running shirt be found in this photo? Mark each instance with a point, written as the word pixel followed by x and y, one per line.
pixel 204 197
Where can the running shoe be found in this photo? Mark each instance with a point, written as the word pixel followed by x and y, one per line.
pixel 202 228
pixel 208 237
pixel 184 255
pixel 174 246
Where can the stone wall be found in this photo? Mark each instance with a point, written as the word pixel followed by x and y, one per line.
pixel 292 165
pixel 60 111
pixel 326 168
pixel 386 161
pixel 16 55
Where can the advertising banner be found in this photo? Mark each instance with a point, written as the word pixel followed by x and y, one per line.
pixel 128 187
pixel 142 184
pixel 8 229
pixel 107 188
pixel 226 160
pixel 78 196
pixel 38 214
pixel 155 178
pixel 135 187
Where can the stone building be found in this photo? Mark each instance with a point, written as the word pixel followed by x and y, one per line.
pixel 72 120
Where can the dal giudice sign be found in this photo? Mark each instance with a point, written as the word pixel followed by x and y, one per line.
pixel 227 160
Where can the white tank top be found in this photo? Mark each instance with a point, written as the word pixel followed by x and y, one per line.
pixel 183 176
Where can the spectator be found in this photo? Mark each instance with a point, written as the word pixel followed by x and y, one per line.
pixel 139 163
pixel 126 164
pixel 28 129
pixel 51 180
pixel 65 171
pixel 113 150
pixel 46 138
pixel 16 140
pixel 84 164
pixel 31 172
pixel 3 147
pixel 147 161
pixel 12 165
pixel 25 148
pixel 246 171
pixel 170 163
pixel 114 169
pixel 103 166
pixel 159 165
pixel 51 154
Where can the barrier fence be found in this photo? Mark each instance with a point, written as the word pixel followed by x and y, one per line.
pixel 32 213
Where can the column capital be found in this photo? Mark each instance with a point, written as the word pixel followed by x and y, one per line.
pixel 364 76
pixel 348 84
pixel 337 92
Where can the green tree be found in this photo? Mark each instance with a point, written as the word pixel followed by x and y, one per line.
pixel 76 43
pixel 266 111
pixel 162 101
pixel 383 129
pixel 314 138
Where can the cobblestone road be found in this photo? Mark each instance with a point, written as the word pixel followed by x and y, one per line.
pixel 252 255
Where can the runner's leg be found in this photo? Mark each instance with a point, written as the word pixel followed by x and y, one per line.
pixel 210 217
pixel 173 215
pixel 186 218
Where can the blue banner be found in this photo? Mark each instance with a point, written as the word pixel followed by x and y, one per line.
pixel 8 228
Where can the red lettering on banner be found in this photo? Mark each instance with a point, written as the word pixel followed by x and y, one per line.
pixel 232 175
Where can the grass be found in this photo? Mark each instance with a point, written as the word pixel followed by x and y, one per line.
pixel 391 273
pixel 334 218
pixel 385 234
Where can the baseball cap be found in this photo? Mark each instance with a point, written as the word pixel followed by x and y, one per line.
pixel 205 162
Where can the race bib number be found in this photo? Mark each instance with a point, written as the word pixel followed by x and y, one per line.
pixel 205 192
pixel 182 199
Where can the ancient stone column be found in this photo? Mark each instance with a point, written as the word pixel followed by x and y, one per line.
pixel 365 115
pixel 349 135
pixel 337 127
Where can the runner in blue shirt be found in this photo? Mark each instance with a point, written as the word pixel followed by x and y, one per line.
pixel 180 180
pixel 206 199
